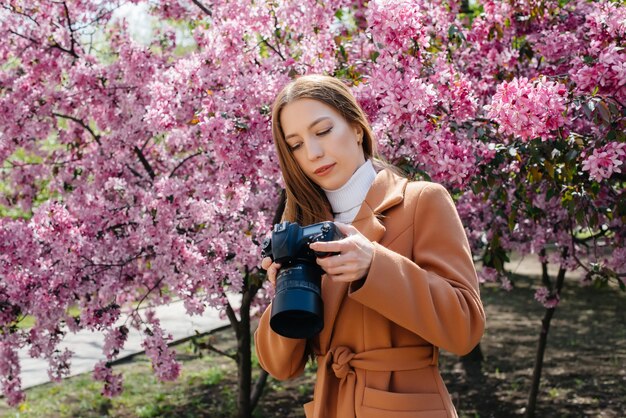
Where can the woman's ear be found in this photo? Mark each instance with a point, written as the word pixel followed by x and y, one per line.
pixel 358 131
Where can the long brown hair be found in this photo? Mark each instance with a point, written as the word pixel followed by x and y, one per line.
pixel 306 202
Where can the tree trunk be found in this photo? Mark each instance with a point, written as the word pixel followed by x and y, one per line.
pixel 244 361
pixel 472 363
pixel 244 355
pixel 247 399
pixel 543 340
pixel 474 356
pixel 257 390
pixel 541 347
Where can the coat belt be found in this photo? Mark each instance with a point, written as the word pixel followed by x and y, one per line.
pixel 343 363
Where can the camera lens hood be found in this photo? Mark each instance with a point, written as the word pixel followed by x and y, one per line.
pixel 297 308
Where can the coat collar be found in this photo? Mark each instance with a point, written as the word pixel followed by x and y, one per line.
pixel 386 191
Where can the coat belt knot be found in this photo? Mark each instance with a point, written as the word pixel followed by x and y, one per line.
pixel 341 362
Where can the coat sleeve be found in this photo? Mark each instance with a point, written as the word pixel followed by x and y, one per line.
pixel 435 295
pixel 281 357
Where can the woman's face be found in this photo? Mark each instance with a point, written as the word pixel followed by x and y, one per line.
pixel 325 146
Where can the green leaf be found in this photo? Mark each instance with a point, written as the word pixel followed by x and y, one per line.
pixel 588 59
pixel 512 219
pixel 343 52
pixel 571 155
pixel 452 31
pixel 611 136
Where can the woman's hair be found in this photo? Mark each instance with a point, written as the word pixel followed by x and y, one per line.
pixel 306 202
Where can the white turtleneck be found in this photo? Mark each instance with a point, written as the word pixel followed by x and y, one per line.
pixel 346 200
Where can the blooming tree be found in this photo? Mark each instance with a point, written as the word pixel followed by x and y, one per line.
pixel 136 173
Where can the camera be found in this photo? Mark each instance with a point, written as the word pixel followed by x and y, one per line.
pixel 297 308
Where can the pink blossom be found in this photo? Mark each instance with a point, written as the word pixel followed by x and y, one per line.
pixel 103 372
pixel 10 380
pixel 114 341
pixel 488 274
pixel 528 109
pixel 605 161
pixel 546 298
pixel 399 24
pixel 163 358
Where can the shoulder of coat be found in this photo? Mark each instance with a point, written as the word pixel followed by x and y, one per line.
pixel 414 190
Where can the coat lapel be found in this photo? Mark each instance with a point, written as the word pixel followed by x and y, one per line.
pixel 386 192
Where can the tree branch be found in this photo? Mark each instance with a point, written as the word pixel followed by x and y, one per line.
pixel 81 123
pixel 23 36
pixel 69 51
pixel 257 390
pixel 211 347
pixel 545 276
pixel 92 264
pixel 232 317
pixel 274 49
pixel 144 162
pixel 183 162
pixel 594 236
pixel 202 7
pixel 14 10
pixel 135 172
pixel 69 26
pixel 136 309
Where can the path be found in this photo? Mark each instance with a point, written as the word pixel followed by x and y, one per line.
pixel 87 345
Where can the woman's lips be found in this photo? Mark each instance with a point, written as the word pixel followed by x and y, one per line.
pixel 322 171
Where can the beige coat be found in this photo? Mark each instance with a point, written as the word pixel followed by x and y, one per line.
pixel 377 354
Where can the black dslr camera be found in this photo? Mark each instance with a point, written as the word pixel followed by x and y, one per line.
pixel 297 308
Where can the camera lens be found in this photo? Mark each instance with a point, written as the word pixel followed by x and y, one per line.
pixel 297 308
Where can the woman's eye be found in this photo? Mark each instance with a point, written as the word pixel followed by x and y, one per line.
pixel 325 132
pixel 295 146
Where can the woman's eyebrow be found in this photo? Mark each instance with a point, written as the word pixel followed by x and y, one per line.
pixel 318 120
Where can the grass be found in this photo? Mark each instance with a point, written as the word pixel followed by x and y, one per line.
pixel 143 396
pixel 207 387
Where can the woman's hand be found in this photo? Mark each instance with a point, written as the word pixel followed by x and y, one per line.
pixel 272 269
pixel 354 260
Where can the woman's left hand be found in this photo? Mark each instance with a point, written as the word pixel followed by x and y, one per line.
pixel 353 262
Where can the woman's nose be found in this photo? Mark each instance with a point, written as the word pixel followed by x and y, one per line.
pixel 313 150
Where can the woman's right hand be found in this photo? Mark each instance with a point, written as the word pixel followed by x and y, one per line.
pixel 272 269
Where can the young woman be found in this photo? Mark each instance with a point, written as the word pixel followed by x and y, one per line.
pixel 403 284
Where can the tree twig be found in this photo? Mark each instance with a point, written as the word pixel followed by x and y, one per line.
pixel 23 36
pixel 145 162
pixel 95 136
pixel 211 347
pixel 202 7
pixel 183 162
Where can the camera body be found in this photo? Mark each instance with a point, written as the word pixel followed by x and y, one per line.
pixel 297 308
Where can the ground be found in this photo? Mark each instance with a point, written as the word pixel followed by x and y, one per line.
pixel 584 373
